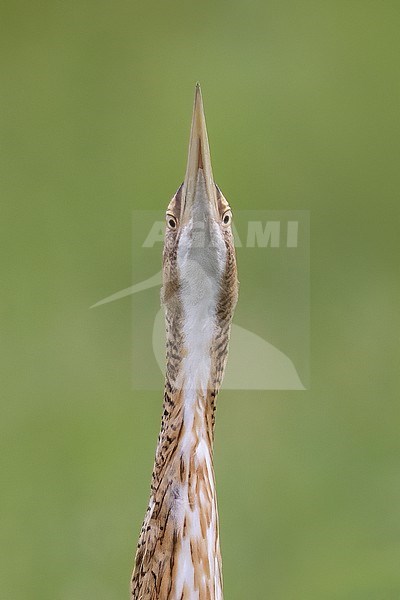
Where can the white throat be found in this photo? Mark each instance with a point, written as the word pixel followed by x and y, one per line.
pixel 201 262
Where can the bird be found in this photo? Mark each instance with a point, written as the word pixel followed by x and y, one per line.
pixel 178 554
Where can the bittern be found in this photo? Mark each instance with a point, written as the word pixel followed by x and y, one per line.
pixel 178 554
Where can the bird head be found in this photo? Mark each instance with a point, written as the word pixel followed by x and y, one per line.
pixel 199 262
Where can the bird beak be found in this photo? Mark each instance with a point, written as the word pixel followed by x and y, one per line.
pixel 198 158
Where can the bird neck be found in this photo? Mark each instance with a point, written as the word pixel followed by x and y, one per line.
pixel 178 554
pixel 187 433
pixel 183 496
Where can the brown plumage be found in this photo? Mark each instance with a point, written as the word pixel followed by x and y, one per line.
pixel 178 554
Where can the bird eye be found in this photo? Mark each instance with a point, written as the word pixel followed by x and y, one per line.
pixel 227 217
pixel 172 222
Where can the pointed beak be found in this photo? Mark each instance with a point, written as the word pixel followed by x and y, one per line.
pixel 198 158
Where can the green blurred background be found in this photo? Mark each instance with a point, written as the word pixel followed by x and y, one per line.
pixel 302 102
